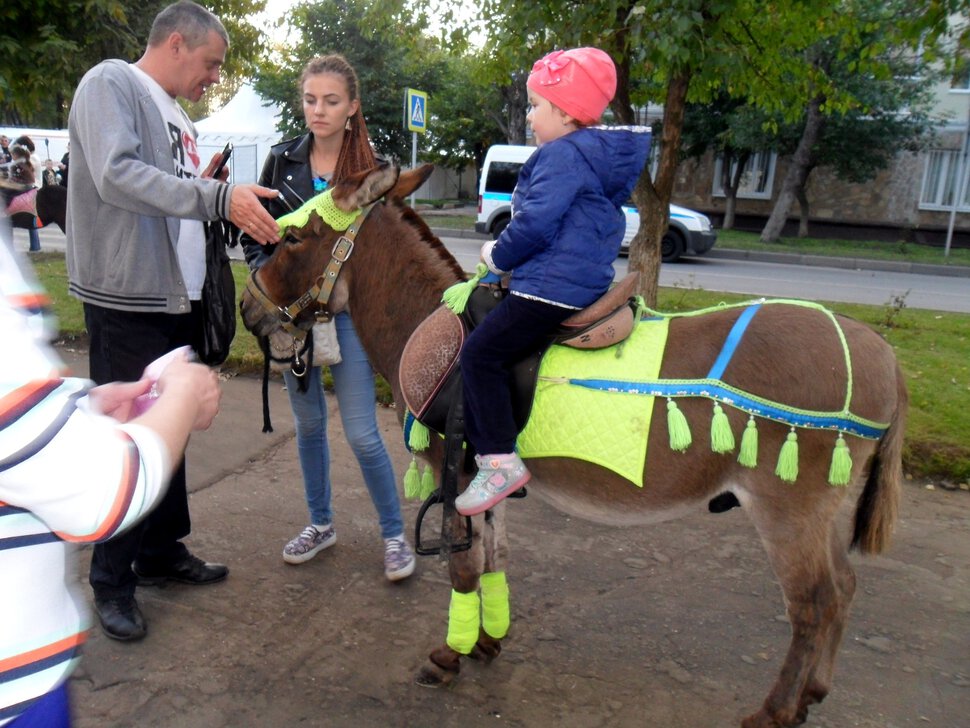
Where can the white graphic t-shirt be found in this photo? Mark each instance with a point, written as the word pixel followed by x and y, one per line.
pixel 185 155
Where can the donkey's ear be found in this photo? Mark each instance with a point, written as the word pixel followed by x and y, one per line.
pixel 410 180
pixel 362 188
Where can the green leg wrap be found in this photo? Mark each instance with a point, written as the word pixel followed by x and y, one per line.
pixel 495 604
pixel 463 620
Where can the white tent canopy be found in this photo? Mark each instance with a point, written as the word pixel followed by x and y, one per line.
pixel 249 122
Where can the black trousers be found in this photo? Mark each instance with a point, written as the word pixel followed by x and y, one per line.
pixel 123 343
pixel 510 332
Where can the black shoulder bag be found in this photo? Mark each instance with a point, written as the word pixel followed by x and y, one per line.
pixel 218 295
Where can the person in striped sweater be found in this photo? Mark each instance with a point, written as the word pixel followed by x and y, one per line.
pixel 78 464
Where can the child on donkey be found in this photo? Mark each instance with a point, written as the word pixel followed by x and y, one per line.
pixel 565 233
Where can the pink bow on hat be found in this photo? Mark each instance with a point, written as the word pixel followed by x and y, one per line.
pixel 552 63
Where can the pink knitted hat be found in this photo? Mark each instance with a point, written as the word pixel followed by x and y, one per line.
pixel 580 81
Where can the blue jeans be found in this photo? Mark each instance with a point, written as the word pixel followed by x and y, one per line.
pixel 353 381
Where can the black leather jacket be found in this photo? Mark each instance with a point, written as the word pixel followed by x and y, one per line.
pixel 287 169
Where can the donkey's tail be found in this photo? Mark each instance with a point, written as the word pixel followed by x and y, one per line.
pixel 878 506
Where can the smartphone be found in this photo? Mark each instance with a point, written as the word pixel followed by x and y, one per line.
pixel 226 153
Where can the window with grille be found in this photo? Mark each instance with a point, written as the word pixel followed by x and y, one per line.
pixel 940 182
pixel 757 178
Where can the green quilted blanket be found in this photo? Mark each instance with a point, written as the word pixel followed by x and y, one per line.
pixel 602 427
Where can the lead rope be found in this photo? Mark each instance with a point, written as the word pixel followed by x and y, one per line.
pixel 264 345
pixel 295 361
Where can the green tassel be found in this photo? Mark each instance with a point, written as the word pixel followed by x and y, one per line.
pixel 787 468
pixel 748 456
pixel 677 427
pixel 412 482
pixel 456 297
pixel 427 482
pixel 418 438
pixel 722 439
pixel 841 466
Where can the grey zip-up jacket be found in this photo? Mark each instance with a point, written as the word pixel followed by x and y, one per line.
pixel 124 201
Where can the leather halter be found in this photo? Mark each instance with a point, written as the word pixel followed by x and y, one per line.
pixel 322 288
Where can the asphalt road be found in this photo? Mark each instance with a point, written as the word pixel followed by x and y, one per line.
pixel 797 278
pixel 836 280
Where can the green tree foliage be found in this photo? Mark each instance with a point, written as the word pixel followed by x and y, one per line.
pixel 386 44
pixel 36 36
pixel 393 46
pixel 869 98
pixel 464 122
pixel 47 45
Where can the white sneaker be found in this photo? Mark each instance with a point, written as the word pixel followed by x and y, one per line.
pixel 498 477
pixel 308 544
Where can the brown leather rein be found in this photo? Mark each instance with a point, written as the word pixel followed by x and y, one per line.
pixel 322 288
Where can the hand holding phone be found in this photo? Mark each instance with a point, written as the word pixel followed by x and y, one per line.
pixel 223 159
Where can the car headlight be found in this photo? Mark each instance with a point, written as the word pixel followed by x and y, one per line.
pixel 705 223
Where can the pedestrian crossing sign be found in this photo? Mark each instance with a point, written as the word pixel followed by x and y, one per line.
pixel 416 110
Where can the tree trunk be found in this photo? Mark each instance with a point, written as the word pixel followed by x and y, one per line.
pixel 730 183
pixel 653 198
pixel 516 102
pixel 797 174
pixel 621 105
pixel 803 212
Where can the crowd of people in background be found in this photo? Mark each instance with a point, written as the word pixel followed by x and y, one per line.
pixel 24 175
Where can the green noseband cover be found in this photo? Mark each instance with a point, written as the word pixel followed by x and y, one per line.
pixel 321 204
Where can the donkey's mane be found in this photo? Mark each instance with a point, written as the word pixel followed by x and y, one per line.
pixel 410 217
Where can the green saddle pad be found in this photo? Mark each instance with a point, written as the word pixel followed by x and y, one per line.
pixel 606 428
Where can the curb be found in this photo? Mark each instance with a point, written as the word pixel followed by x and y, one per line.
pixel 821 261
pixel 891 266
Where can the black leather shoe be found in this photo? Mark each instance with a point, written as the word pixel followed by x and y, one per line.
pixel 120 618
pixel 190 570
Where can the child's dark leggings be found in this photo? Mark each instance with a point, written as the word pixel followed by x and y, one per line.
pixel 514 329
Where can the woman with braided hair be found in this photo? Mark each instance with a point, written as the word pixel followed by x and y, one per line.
pixel 336 145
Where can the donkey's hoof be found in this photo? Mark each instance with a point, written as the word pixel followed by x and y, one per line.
pixel 486 650
pixel 432 676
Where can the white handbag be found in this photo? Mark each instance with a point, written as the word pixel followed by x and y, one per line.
pixel 326 348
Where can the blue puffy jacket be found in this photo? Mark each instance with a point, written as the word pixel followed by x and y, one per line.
pixel 567 222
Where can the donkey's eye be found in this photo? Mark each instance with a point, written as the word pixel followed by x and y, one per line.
pixel 291 240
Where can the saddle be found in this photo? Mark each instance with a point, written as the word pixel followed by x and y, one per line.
pixel 429 372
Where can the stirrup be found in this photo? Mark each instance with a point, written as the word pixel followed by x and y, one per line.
pixel 432 546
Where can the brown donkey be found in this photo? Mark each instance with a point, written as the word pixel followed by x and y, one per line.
pixel 797 356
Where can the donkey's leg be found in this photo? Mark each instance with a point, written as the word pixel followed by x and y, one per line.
pixel 496 615
pixel 845 583
pixel 796 529
pixel 465 568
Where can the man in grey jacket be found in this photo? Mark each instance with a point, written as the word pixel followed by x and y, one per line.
pixel 135 258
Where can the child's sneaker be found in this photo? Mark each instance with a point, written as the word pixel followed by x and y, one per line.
pixel 308 544
pixel 498 476
pixel 398 558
